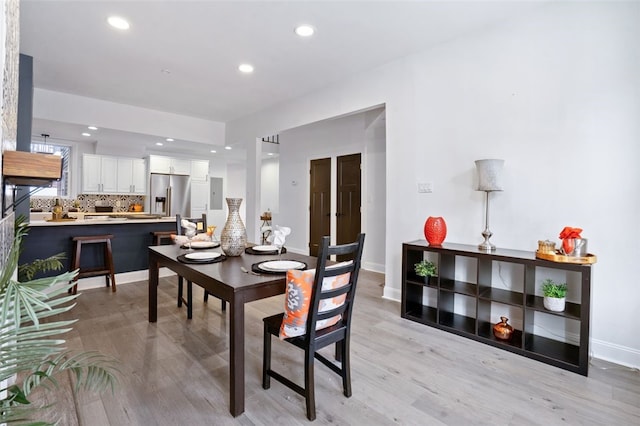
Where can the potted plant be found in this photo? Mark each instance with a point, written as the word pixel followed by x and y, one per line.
pixel 32 348
pixel 425 269
pixel 554 295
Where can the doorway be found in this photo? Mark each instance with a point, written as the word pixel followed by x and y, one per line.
pixel 319 203
pixel 348 200
pixel 349 188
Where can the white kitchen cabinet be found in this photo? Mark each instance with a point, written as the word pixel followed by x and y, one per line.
pixel 199 170
pixel 199 198
pixel 180 166
pixel 168 165
pixel 99 174
pixel 132 176
pixel 159 164
pixel 139 176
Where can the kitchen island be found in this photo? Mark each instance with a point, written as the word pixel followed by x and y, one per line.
pixel 132 234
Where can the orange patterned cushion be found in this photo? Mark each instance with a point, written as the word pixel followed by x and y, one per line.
pixel 298 298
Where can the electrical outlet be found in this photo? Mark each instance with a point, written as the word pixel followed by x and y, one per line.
pixel 425 187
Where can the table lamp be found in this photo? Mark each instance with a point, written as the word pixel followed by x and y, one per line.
pixel 489 180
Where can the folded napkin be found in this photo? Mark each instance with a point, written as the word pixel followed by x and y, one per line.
pixel 186 224
pixel 279 235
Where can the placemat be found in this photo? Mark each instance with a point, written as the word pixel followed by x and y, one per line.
pixel 183 259
pixel 255 267
pixel 250 250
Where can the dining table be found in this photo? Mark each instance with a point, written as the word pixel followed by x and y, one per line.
pixel 226 280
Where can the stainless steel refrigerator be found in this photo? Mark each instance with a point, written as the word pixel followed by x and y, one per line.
pixel 170 195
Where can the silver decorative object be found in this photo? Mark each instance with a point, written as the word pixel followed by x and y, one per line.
pixel 233 238
pixel 489 180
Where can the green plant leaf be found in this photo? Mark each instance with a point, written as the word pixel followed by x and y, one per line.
pixel 32 349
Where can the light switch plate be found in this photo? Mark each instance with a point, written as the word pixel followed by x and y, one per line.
pixel 425 187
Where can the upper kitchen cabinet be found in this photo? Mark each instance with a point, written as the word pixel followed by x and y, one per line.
pixel 168 165
pixel 199 170
pixel 132 176
pixel 99 174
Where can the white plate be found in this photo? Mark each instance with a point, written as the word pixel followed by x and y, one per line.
pixel 280 265
pixel 203 244
pixel 265 248
pixel 202 256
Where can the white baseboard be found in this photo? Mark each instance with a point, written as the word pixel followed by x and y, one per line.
pixel 373 267
pixel 394 294
pixel 122 278
pixel 617 354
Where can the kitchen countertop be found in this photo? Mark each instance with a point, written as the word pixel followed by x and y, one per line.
pixel 106 219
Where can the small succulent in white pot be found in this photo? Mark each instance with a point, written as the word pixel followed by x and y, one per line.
pixel 554 295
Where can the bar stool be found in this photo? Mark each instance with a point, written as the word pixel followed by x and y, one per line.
pixel 158 236
pixel 106 269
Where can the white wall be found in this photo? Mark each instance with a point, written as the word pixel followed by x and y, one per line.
pixel 557 96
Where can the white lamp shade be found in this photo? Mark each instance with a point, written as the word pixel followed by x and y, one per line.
pixel 490 175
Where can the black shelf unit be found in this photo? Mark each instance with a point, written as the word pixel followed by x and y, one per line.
pixel 436 303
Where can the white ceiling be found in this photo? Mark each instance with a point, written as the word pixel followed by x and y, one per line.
pixel 202 43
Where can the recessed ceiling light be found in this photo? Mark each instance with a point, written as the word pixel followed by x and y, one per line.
pixel 271 153
pixel 169 140
pixel 165 71
pixel 213 151
pixel 246 68
pixel 159 143
pixel 86 134
pixel 118 22
pixel 305 30
pixel 227 148
pixel 92 128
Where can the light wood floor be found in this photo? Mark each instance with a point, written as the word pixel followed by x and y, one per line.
pixel 175 371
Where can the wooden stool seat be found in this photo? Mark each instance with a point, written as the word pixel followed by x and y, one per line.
pixel 105 269
pixel 158 236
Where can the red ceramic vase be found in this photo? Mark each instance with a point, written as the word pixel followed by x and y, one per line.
pixel 435 230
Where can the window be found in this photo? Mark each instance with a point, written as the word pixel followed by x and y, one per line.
pixel 61 187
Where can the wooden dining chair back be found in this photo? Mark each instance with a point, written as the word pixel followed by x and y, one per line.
pixel 321 327
pixel 201 226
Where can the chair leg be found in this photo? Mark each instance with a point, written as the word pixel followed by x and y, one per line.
pixel 309 386
pixel 189 299
pixel 266 358
pixel 180 283
pixel 108 257
pixel 346 368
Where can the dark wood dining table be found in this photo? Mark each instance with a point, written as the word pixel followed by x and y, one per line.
pixel 227 281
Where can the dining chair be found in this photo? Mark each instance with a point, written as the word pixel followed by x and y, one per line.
pixel 328 321
pixel 201 226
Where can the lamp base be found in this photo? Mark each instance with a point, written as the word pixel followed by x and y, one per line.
pixel 486 244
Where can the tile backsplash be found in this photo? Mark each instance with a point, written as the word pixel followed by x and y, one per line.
pixel 88 202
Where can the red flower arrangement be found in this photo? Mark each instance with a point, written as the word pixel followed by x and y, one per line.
pixel 568 236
